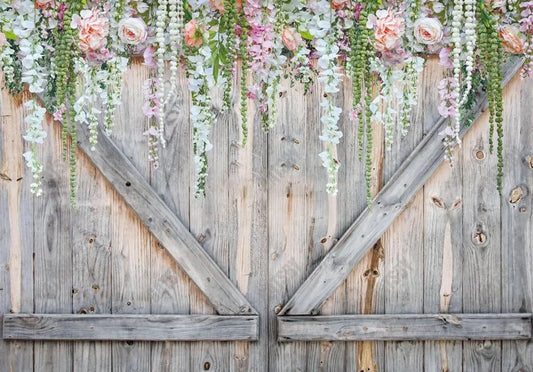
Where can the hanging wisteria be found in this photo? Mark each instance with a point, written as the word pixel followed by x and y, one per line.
pixel 73 53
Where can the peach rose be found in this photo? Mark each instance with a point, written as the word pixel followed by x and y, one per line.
pixel 193 34
pixel 43 4
pixel 428 31
pixel 219 5
pixel 512 43
pixel 291 38
pixel 496 4
pixel 3 40
pixel 132 31
pixel 93 28
pixel 339 4
pixel 388 29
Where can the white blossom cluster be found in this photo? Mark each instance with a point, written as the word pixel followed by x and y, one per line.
pixel 201 82
pixel 321 27
pixel 175 15
pixel 34 135
pixel 7 61
pixel 457 25
pixel 470 25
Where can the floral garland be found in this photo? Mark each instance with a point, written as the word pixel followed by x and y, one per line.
pixel 74 53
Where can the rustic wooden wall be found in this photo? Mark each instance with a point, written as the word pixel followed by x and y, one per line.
pixel 458 247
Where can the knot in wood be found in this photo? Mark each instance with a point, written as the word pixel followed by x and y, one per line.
pixel 516 195
pixel 479 238
pixel 479 154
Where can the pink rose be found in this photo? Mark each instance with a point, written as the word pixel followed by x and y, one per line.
pixel 388 29
pixel 193 34
pixel 428 31
pixel 291 38
pixel 496 4
pixel 44 4
pixel 132 31
pixel 93 28
pixel 3 40
pixel 339 4
pixel 512 42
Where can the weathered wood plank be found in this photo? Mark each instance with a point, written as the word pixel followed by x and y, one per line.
pixel 53 249
pixel 16 228
pixel 373 222
pixel 129 327
pixel 393 327
pixel 517 217
pixel 288 226
pixel 170 293
pixel 91 260
pixel 248 217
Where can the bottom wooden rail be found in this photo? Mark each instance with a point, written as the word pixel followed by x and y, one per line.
pixel 392 327
pixel 130 327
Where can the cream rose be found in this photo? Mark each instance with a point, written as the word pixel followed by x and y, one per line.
pixel 132 31
pixel 291 38
pixel 388 29
pixel 428 31
pixel 512 42
pixel 93 28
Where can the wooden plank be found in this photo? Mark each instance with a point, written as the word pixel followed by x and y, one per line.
pixel 170 287
pixel 164 224
pixel 53 249
pixel 209 217
pixel 288 226
pixel 517 217
pixel 393 327
pixel 481 243
pixel 129 327
pixel 91 260
pixel 16 227
pixel 248 261
pixel 130 239
pixel 373 222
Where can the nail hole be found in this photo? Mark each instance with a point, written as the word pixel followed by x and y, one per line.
pixel 207 366
pixel 128 183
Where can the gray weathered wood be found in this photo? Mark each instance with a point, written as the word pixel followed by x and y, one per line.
pixel 391 327
pixel 517 217
pixel 164 225
pixel 374 221
pixel 129 327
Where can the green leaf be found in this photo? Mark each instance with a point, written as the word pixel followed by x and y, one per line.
pixel 10 35
pixel 216 67
pixel 306 35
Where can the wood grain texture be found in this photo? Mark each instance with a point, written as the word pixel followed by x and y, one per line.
pixel 53 248
pixel 171 180
pixel 288 226
pixel 373 222
pixel 390 327
pixel 442 221
pixel 129 327
pixel 16 228
pixel 481 243
pixel 248 256
pixel 517 217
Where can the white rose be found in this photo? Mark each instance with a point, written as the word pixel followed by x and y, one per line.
pixel 132 31
pixel 428 31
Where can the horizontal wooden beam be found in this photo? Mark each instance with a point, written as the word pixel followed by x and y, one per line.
pixel 390 327
pixel 164 225
pixel 375 220
pixel 131 327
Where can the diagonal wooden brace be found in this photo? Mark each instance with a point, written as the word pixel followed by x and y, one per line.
pixel 387 206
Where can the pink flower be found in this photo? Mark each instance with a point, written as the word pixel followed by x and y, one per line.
pixel 148 55
pixel 496 4
pixel 291 38
pixel 3 40
pixel 132 31
pixel 512 43
pixel 339 4
pixel 444 58
pixel 44 4
pixel 93 28
pixel 193 34
pixel 388 29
